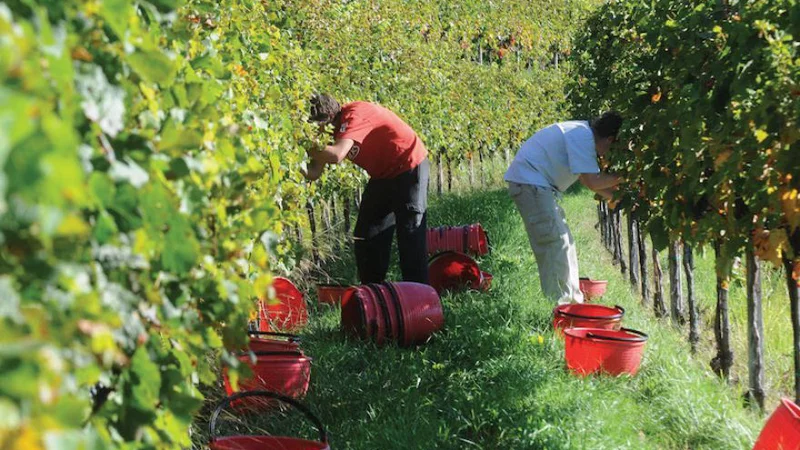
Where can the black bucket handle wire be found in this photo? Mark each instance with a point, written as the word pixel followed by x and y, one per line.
pixel 642 337
pixel 290 337
pixel 212 424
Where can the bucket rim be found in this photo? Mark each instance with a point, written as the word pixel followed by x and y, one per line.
pixel 619 315
pixel 792 407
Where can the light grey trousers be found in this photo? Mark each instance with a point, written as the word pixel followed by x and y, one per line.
pixel 551 241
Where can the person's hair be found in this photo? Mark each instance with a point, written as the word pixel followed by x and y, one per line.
pixel 324 108
pixel 607 125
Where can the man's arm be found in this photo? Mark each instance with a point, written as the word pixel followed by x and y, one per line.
pixel 599 181
pixel 332 154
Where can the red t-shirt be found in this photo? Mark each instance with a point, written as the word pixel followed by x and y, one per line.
pixel 385 146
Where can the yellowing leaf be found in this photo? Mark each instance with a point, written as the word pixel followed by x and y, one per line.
pixel 761 135
pixel 73 225
pixel 656 97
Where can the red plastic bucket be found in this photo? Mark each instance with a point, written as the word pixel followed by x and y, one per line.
pixel 782 430
pixel 595 350
pixel 407 313
pixel 265 442
pixel 285 372
pixel 421 310
pixel 287 312
pixel 453 271
pixel 583 315
pixel 273 342
pixel 593 289
pixel 331 294
pixel 470 239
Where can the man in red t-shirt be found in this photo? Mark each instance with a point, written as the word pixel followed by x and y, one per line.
pixel 396 196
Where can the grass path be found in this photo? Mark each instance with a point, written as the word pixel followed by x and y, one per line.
pixel 488 381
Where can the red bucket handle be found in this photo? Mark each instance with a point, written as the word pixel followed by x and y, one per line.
pixel 290 337
pixel 212 425
pixel 579 316
pixel 642 337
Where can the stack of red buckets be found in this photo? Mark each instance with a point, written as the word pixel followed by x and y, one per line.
pixel 274 355
pixel 594 340
pixel 281 372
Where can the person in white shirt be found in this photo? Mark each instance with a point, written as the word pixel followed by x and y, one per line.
pixel 546 165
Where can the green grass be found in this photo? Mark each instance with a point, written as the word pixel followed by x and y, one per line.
pixel 486 382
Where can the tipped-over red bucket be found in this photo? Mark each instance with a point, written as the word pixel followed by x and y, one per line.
pixel 595 350
pixel 331 294
pixel 285 372
pixel 454 271
pixel 287 312
pixel 782 430
pixel 583 315
pixel 407 313
pixel 470 239
pixel 273 342
pixel 592 289
pixel 265 442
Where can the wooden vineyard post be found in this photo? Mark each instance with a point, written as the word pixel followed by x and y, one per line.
pixel 298 231
pixel 334 211
pixel 642 243
pixel 794 299
pixel 440 173
pixel 326 218
pixel 312 223
pixel 449 175
pixel 346 214
pixel 609 227
pixel 619 253
pixel 604 223
pixel 694 313
pixel 675 286
pixel 722 363
pixel 481 168
pixel 601 223
pixel 471 171
pixel 755 330
pixel 612 219
pixel 633 252
pixel 659 307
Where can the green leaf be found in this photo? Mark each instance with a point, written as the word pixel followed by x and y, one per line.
pixel 116 13
pixel 105 228
pixel 153 66
pixel 145 381
pixel 181 249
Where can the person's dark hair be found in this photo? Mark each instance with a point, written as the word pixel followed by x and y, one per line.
pixel 324 108
pixel 607 125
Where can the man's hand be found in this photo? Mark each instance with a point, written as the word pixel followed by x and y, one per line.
pixel 314 170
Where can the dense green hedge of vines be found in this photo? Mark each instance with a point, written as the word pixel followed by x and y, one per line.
pixel 711 91
pixel 151 155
